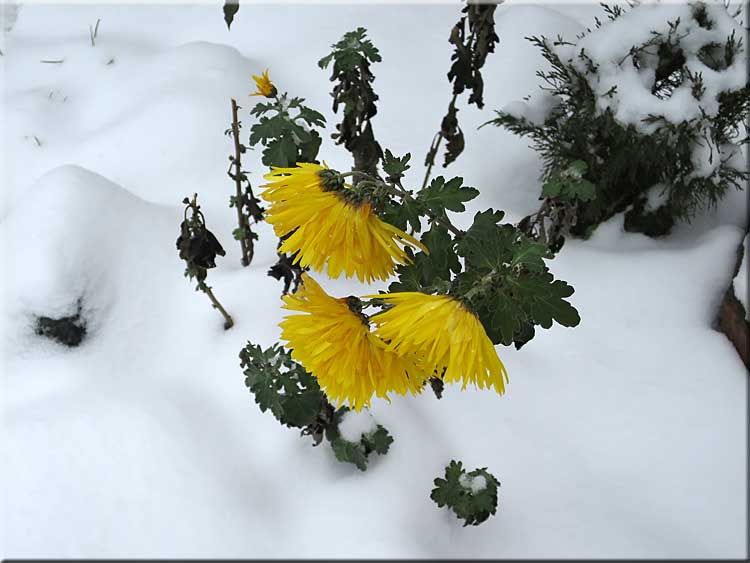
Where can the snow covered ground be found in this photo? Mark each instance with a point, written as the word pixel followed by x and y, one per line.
pixel 623 437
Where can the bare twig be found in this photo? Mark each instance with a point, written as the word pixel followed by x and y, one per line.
pixel 245 244
pixel 228 321
pixel 93 31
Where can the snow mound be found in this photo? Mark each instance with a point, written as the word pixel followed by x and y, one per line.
pixel 75 238
pixel 89 108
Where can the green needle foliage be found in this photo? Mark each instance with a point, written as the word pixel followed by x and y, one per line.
pixel 475 504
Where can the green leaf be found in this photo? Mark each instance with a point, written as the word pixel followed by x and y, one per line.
pixel 308 152
pixel 486 244
pixel 552 187
pixel 394 166
pixel 404 214
pixel 502 318
pixel 349 452
pixel 280 152
pixel 379 441
pixel 268 129
pixel 546 300
pixel 426 272
pixel 576 169
pixel 302 406
pixel 409 279
pixel 441 195
pixel 312 117
pixel 281 385
pixel 261 108
pixel 583 190
pixel 349 52
pixel 529 255
pixel 325 61
pixel 569 183
pixel 507 282
pixel 261 378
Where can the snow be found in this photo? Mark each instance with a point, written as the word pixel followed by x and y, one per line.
pixel 656 196
pixel 740 280
pixel 539 106
pixel 474 484
pixel 706 157
pixel 624 437
pixel 355 424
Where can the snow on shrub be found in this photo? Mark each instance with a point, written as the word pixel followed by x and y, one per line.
pixel 651 100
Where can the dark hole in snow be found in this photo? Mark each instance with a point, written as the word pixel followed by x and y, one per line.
pixel 69 331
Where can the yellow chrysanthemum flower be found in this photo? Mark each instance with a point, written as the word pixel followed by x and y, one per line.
pixel 335 344
pixel 442 334
pixel 264 85
pixel 326 229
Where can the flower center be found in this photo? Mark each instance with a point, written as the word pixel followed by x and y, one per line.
pixel 331 180
pixel 355 306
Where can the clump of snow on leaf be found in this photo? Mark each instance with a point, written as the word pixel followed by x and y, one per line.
pixel 474 484
pixel 355 424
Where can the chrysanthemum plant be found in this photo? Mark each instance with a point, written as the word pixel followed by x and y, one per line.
pixel 645 114
pixel 472 496
pixel 456 293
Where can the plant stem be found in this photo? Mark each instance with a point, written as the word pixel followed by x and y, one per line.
pixel 228 322
pixel 245 245
pixel 432 153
